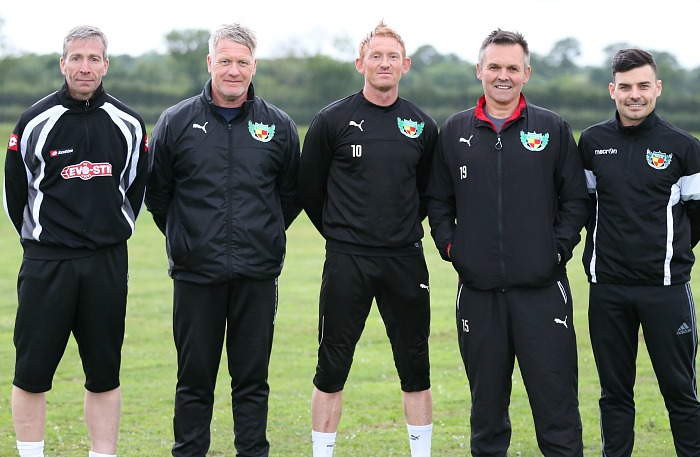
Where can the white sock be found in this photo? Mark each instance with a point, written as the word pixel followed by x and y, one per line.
pixel 420 437
pixel 30 448
pixel 95 454
pixel 323 443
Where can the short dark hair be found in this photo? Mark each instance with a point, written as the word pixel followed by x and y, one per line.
pixel 629 59
pixel 504 37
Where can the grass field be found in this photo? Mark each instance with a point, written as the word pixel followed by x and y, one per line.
pixel 372 423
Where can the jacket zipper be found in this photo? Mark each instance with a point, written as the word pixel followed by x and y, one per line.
pixel 499 146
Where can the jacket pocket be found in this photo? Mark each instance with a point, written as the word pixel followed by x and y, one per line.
pixel 178 243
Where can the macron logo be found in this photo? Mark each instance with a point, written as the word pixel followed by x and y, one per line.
pixel 609 151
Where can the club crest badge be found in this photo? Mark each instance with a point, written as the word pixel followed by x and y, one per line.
pixel 410 128
pixel 534 141
pixel 261 132
pixel 658 160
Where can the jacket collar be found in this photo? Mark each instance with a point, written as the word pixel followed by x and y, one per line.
pixel 480 111
pixel 246 105
pixel 647 124
pixel 95 102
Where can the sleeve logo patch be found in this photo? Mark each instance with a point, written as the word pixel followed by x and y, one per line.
pixel 12 144
pixel 658 160
pixel 534 141
pixel 410 128
pixel 261 132
pixel 86 170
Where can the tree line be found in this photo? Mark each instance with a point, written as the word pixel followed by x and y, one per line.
pixel 303 84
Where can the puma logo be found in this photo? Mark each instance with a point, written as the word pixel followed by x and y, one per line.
pixel 469 141
pixel 355 124
pixel 562 322
pixel 203 127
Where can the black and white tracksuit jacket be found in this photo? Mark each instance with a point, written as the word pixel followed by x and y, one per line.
pixel 75 175
pixel 645 181
pixel 364 171
pixel 506 203
pixel 223 192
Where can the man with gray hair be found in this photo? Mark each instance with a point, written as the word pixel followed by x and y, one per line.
pixel 75 177
pixel 222 189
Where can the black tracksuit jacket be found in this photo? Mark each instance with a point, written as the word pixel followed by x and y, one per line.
pixel 223 192
pixel 507 203
pixel 364 172
pixel 645 180
pixel 75 174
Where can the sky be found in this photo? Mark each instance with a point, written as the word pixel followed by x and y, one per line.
pixel 306 27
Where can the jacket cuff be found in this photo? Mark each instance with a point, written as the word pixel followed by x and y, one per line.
pixel 446 253
pixel 564 253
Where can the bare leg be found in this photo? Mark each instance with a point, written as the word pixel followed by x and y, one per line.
pixel 418 407
pixel 326 410
pixel 28 414
pixel 102 412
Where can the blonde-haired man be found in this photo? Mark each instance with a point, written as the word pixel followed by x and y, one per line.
pixel 364 168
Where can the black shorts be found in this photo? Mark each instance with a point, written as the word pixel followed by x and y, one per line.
pixel 401 288
pixel 85 296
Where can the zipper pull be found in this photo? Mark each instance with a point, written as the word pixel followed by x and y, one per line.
pixel 499 146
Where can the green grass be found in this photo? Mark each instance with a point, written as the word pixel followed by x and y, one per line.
pixel 372 423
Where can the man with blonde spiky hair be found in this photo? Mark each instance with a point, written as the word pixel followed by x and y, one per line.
pixel 364 169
